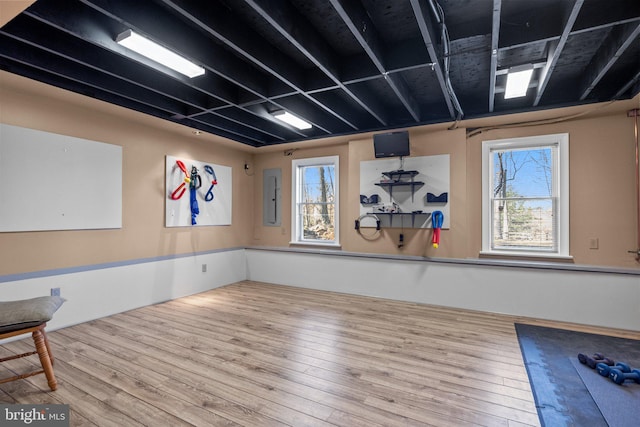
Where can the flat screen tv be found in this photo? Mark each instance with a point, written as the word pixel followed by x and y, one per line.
pixel 393 144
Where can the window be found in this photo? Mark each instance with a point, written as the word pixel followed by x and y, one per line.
pixel 525 196
pixel 315 201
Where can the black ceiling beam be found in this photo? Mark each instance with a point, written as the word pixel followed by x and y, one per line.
pixel 93 84
pixel 300 33
pixel 633 83
pixel 495 39
pixel 359 23
pixel 426 25
pixel 158 86
pixel 555 50
pixel 12 47
pixel 154 22
pixel 185 40
pixel 574 32
pixel 297 103
pixel 86 24
pixel 406 55
pixel 220 23
pixel 242 115
pixel 618 40
pixel 233 114
pixel 260 109
pixel 38 34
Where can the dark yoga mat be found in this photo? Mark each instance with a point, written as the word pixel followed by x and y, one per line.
pixel 561 397
pixel 619 404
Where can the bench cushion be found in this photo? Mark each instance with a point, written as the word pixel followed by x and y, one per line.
pixel 21 314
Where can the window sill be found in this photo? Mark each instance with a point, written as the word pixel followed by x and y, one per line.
pixel 526 256
pixel 331 245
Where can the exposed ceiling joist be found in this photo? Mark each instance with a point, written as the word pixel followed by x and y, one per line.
pixel 555 50
pixel 296 29
pixel 619 40
pixel 355 17
pixel 345 66
pixel 495 37
pixel 427 26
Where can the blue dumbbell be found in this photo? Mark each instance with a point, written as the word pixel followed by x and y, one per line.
pixel 605 370
pixel 619 377
pixel 594 360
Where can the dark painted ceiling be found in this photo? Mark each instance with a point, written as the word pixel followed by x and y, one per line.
pixel 346 66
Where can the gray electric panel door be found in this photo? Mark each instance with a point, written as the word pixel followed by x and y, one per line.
pixel 271 197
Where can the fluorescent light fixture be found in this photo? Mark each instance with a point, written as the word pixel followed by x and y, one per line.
pixel 160 54
pixel 518 80
pixel 289 118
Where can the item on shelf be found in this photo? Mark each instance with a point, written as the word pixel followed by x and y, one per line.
pixel 437 218
pixel 442 198
pixel 388 208
pixel 371 200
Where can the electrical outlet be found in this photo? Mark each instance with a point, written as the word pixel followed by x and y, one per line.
pixel 204 268
pixel 55 292
pixel 594 243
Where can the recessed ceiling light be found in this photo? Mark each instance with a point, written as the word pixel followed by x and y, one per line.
pixel 518 80
pixel 159 54
pixel 292 120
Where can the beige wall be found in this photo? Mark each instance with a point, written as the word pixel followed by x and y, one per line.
pixel 602 186
pixel 416 241
pixel 602 183
pixel 9 9
pixel 145 146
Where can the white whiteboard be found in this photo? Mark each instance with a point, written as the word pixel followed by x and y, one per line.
pixel 57 182
pixel 216 211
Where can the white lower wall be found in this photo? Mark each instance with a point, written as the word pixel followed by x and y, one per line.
pixel 591 298
pixel 100 292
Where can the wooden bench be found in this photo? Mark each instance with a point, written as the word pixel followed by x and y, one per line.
pixel 30 317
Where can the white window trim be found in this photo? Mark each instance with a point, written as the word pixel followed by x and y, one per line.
pixel 561 189
pixel 295 178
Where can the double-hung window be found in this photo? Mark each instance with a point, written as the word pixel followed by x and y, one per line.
pixel 315 201
pixel 525 196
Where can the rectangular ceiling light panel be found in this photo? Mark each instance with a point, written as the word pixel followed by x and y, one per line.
pixel 518 81
pixel 160 54
pixel 292 120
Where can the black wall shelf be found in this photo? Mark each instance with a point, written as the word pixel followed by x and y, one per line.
pixel 395 180
pixel 401 216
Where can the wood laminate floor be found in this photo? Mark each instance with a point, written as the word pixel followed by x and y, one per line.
pixel 254 354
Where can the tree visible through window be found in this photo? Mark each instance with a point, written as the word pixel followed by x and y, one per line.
pixel 523 208
pixel 315 204
pixel 525 195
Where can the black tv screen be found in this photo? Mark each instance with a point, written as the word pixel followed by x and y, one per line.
pixel 393 144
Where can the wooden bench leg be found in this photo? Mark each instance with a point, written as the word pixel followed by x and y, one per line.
pixel 46 343
pixel 39 339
